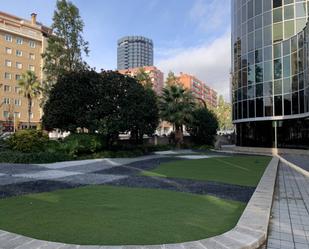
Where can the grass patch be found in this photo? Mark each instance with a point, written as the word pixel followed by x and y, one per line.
pixel 113 215
pixel 239 170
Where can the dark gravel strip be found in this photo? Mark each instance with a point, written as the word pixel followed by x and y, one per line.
pixel 38 186
pixel 136 167
pixel 226 191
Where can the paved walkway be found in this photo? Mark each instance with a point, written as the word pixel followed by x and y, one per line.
pixel 300 161
pixel 289 226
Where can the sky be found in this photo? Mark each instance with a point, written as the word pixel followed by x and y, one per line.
pixel 190 36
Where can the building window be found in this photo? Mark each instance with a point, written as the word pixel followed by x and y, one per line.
pixel 19 53
pixel 7 88
pixel 32 44
pixel 8 38
pixel 32 56
pixel 17 114
pixel 19 65
pixel 31 68
pixel 8 63
pixel 17 89
pixel 7 76
pixel 17 77
pixel 6 101
pixel 19 40
pixel 8 50
pixel 18 102
pixel 5 114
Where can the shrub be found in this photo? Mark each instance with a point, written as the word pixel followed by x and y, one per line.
pixel 27 141
pixel 36 157
pixel 79 144
pixel 203 127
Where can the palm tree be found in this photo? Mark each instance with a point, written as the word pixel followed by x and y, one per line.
pixel 30 88
pixel 176 106
pixel 143 78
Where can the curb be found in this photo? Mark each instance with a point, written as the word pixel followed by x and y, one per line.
pixel 249 233
pixel 294 166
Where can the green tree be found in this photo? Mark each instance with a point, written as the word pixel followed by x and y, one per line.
pixel 144 118
pixel 224 114
pixel 108 102
pixel 143 78
pixel 30 88
pixel 65 45
pixel 70 101
pixel 203 126
pixel 171 79
pixel 176 106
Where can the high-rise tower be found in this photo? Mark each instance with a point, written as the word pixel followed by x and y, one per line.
pixel 134 51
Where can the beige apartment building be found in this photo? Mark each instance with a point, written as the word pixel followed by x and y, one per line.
pixel 21 44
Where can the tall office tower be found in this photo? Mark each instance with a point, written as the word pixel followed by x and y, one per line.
pixel 270 77
pixel 134 51
pixel 21 44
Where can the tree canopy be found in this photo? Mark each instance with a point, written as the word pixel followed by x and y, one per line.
pixel 65 45
pixel 203 126
pixel 176 106
pixel 224 114
pixel 108 102
pixel 31 89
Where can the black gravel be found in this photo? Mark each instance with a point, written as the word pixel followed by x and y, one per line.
pixel 226 191
pixel 33 187
pixel 132 170
pixel 136 167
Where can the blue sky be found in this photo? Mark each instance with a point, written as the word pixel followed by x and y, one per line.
pixel 188 35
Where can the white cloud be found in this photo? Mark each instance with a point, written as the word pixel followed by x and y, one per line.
pixel 208 62
pixel 209 15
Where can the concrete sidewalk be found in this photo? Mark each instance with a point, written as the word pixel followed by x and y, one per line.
pixel 289 226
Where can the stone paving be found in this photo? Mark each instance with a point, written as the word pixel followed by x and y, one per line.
pixel 289 225
pixel 300 160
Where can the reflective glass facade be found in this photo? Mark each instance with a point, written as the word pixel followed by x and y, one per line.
pixel 270 78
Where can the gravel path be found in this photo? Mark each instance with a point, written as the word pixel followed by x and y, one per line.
pixel 19 179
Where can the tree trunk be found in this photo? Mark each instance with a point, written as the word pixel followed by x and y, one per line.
pixel 178 137
pixel 29 111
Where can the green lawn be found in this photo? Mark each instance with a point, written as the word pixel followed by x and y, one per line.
pixel 113 215
pixel 239 170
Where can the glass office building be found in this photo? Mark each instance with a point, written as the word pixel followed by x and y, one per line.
pixel 134 51
pixel 270 77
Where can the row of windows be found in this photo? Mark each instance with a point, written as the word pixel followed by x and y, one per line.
pixel 18 65
pixel 19 40
pixel 278 87
pixel 19 53
pixel 8 101
pixel 271 76
pixel 287 20
pixel 8 88
pixel 288 104
pixel 256 7
pixel 8 76
pixel 281 60
pixel 7 114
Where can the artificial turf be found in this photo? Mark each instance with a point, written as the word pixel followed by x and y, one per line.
pixel 104 215
pixel 238 170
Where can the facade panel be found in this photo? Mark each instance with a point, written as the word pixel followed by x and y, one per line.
pixel 270 83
